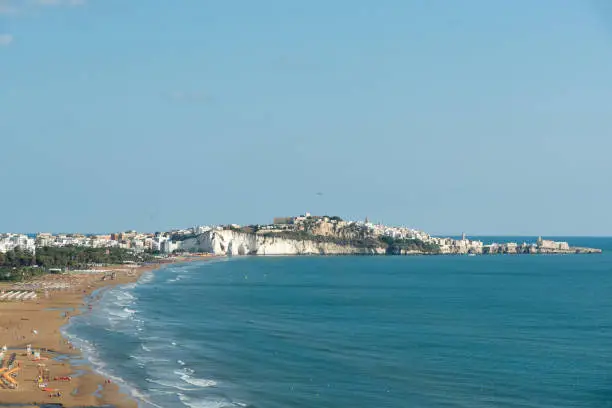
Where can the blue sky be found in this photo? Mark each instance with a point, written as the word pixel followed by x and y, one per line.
pixel 482 116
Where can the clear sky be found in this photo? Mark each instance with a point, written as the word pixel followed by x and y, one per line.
pixel 490 117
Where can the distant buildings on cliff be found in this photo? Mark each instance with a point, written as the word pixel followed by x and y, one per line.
pixel 325 225
pixel 168 242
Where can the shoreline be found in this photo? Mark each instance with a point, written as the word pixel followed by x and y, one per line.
pixel 41 322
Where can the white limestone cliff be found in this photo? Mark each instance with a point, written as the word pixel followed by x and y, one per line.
pixel 229 242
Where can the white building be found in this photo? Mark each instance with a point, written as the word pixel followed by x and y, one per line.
pixel 168 246
pixel 9 242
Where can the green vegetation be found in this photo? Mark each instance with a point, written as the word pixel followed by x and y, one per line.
pixel 397 246
pixel 16 258
pixel 366 242
pixel 248 229
pixel 186 251
pixel 20 274
pixel 334 218
pixel 393 246
pixel 18 264
pixel 81 257
pixel 181 237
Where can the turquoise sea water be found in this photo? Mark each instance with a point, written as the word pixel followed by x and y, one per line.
pixel 282 332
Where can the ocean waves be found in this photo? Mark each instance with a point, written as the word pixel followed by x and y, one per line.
pixel 127 337
pixel 306 332
pixel 193 402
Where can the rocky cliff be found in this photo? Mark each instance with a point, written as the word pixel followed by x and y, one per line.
pixel 230 242
pixel 236 242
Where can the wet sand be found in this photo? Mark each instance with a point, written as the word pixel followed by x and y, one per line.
pixel 38 322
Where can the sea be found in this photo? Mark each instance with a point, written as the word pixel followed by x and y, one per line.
pixel 529 331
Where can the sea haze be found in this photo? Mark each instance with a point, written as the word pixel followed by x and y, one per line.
pixel 302 332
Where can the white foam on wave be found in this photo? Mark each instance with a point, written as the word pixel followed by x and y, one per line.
pixel 115 311
pixel 119 309
pixel 146 278
pixel 149 359
pixel 127 286
pixel 91 354
pixel 152 344
pixel 198 382
pixel 203 403
pixel 176 385
pixel 124 295
pixel 117 315
pixel 123 303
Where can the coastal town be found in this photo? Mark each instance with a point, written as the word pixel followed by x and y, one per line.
pixel 303 227
pixel 49 278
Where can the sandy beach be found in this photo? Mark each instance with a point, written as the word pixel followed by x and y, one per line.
pixel 37 323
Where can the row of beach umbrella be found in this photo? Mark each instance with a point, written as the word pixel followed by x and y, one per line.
pixel 46 285
pixel 18 295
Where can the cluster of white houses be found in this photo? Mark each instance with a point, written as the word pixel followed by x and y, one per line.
pixel 9 241
pixel 160 242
